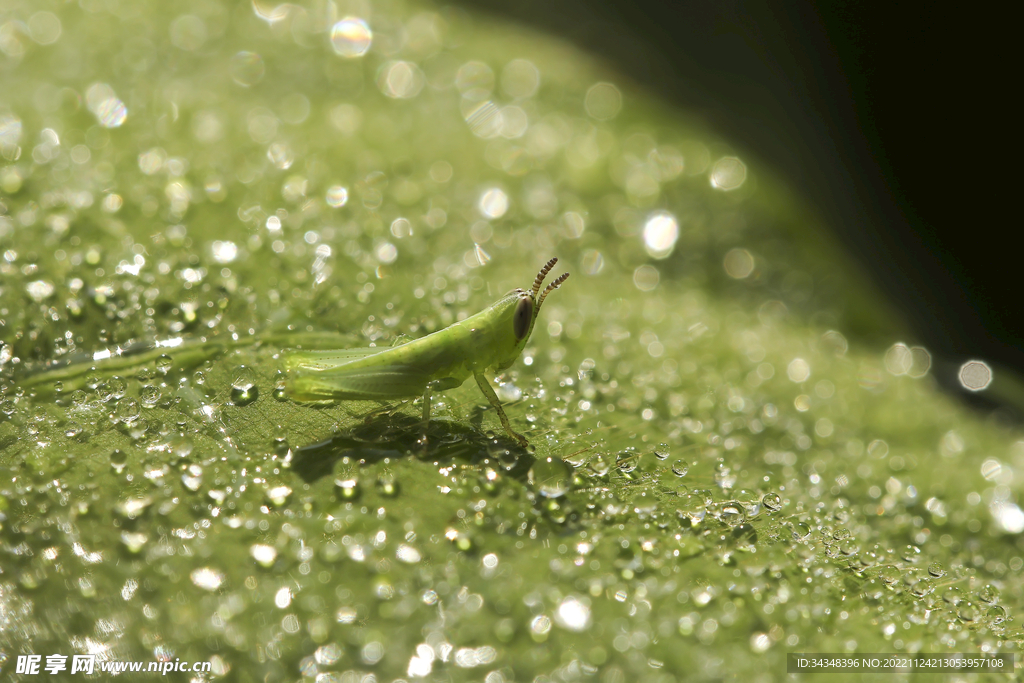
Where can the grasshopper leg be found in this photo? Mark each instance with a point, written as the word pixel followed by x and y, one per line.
pixel 485 387
pixel 427 392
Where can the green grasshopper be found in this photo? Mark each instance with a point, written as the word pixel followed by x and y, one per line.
pixel 493 338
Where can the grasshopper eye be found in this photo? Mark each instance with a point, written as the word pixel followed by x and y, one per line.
pixel 522 317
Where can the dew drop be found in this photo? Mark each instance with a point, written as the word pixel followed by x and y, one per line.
pixel 164 364
pixel 627 461
pixel 995 615
pixel 192 478
pixel 953 595
pixel 348 487
pixel 149 396
pixel 745 537
pixel 207 578
pixel 278 495
pixel 493 203
pixel 243 386
pixel 247 69
pixel 910 553
pixel 936 570
pixel 890 574
pixel 118 460
pixel 337 196
pixel 988 593
pixel 127 411
pixel 601 464
pixel 387 483
pixel 573 614
pixel 263 554
pixel 180 446
pixel 680 468
pixel 731 513
pixel 772 502
pixel 134 540
pixel 551 476
pixel 351 37
pixel 966 611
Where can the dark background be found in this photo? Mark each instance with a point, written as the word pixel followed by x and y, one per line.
pixel 894 121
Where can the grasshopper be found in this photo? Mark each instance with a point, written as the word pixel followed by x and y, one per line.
pixel 491 339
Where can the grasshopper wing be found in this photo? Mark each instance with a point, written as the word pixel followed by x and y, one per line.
pixel 325 360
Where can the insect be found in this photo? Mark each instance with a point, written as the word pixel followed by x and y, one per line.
pixel 491 339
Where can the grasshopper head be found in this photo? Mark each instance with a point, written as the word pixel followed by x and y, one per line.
pixel 527 305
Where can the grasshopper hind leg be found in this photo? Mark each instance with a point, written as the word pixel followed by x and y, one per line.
pixel 427 392
pixel 492 398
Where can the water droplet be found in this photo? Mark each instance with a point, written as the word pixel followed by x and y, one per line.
pixel 953 595
pixel 662 451
pixel 728 173
pixel 660 234
pixel 149 395
pixel 603 101
pixel 134 540
pixel 772 502
pixel 247 69
pixel 911 553
pixel 988 593
pixel 101 100
pixel 387 483
pixel 73 429
pixel 995 615
pixel 841 534
pixel 745 537
pixel 278 495
pixel 337 196
pixel 192 478
pixel 890 574
pixel 936 570
pixel 79 398
pixel 408 554
pixel 800 531
pixel 731 513
pixel 127 411
pixel 760 642
pixel 601 464
pixel 573 614
pixel 400 79
pixel 164 364
pixel 493 203
pixel 692 509
pixel 348 487
pixel 540 626
pixel 180 446
pixel 243 386
pixel 922 588
pixel 552 477
pixel 627 461
pixel 680 468
pixel 118 460
pixel 263 554
pixel 967 611
pixel 351 37
pixel 207 578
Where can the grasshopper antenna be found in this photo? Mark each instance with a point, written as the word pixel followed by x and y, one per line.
pixel 552 287
pixel 541 275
